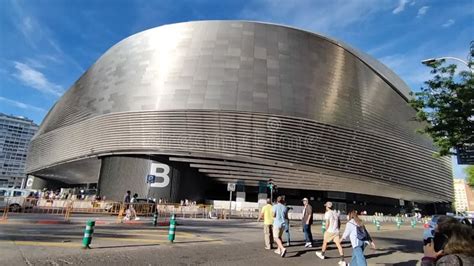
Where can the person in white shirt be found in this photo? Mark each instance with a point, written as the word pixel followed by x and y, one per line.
pixel 332 233
pixel 358 239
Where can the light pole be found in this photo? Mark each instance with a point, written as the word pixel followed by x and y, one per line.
pixel 432 60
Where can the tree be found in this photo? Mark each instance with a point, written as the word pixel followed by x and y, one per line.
pixel 445 106
pixel 469 170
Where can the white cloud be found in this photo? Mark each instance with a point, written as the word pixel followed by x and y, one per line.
pixel 422 11
pixel 448 23
pixel 21 105
pixel 35 79
pixel 38 35
pixel 400 7
pixel 34 63
pixel 319 16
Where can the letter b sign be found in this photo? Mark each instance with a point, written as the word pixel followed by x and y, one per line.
pixel 160 170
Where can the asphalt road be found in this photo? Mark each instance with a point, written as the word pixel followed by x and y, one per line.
pixel 198 242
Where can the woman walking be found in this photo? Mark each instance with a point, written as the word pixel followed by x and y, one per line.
pixel 356 232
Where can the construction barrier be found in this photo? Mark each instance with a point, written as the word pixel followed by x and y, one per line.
pixel 399 223
pixel 86 241
pixel 172 231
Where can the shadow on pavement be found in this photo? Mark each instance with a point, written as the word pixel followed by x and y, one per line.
pixel 406 263
pixel 151 245
pixel 126 246
pixel 403 245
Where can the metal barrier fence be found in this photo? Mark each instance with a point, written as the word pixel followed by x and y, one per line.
pixel 68 208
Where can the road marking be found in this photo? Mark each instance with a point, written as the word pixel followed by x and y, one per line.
pixel 118 237
pixel 76 245
pixel 45 244
pixel 98 235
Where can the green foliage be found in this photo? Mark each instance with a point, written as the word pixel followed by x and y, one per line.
pixel 445 106
pixel 469 170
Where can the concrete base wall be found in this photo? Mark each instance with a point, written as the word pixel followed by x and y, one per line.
pixel 121 173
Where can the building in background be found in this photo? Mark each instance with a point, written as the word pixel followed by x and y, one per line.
pixel 15 135
pixel 463 196
pixel 180 110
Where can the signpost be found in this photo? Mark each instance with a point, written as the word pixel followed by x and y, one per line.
pixel 465 154
pixel 150 179
pixel 271 185
pixel 230 188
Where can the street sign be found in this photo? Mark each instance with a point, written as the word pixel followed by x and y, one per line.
pixel 402 202
pixel 465 154
pixel 150 179
pixel 230 186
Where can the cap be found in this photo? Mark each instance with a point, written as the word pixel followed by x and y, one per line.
pixel 305 199
pixel 328 204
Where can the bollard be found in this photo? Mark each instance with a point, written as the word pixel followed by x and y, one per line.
pixel 399 222
pixel 86 241
pixel 155 219
pixel 377 224
pixel 323 227
pixel 413 223
pixel 172 230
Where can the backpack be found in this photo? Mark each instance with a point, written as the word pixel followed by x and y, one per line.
pixel 361 232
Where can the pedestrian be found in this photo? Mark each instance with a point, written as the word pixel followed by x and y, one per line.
pixel 267 215
pixel 126 204
pixel 280 214
pixel 452 244
pixel 358 235
pixel 127 197
pixel 307 221
pixel 332 233
pixel 133 212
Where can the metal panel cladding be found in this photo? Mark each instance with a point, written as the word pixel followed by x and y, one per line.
pixel 321 114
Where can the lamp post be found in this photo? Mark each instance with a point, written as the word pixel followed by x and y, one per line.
pixel 432 60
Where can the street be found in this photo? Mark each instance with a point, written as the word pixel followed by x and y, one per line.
pixel 198 242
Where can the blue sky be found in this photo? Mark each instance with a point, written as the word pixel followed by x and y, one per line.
pixel 46 45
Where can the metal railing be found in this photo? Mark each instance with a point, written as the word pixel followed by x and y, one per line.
pixel 68 208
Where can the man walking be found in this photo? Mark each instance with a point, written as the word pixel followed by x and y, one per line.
pixel 126 204
pixel 332 233
pixel 307 222
pixel 267 215
pixel 280 214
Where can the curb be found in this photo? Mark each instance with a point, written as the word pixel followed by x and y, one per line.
pixel 97 222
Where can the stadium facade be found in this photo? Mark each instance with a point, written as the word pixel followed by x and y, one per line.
pixel 201 104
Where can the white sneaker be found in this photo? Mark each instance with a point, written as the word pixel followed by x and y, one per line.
pixel 277 251
pixel 342 263
pixel 283 253
pixel 320 255
pixel 308 245
pixel 137 218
